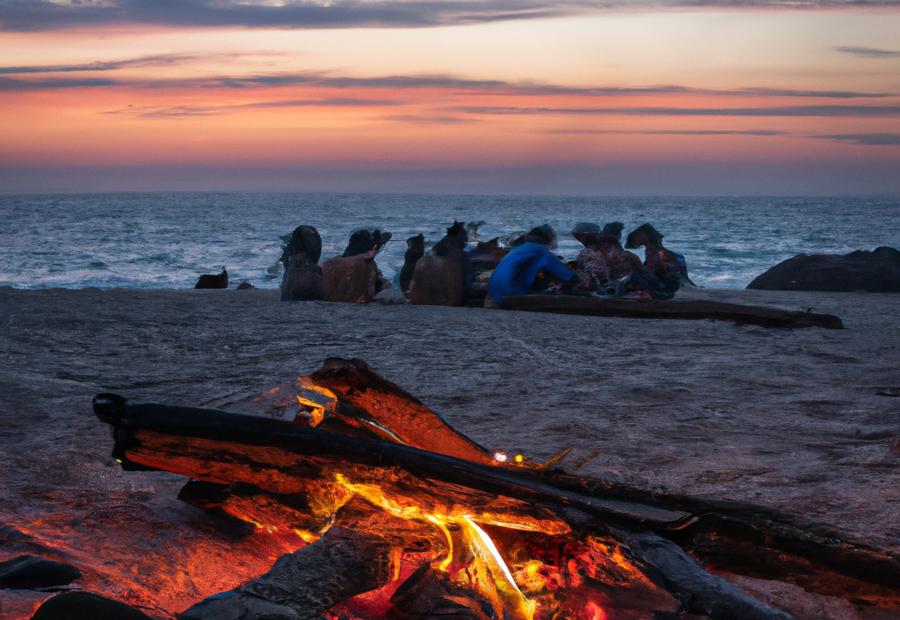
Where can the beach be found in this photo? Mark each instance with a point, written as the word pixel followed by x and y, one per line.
pixel 803 420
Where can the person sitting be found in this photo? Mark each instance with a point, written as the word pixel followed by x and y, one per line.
pixel 354 277
pixel 302 279
pixel 439 279
pixel 603 261
pixel 518 273
pixel 667 265
pixel 604 266
pixel 364 241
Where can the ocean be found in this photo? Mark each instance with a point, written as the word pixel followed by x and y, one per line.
pixel 165 240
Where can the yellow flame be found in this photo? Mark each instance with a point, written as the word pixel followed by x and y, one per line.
pixel 445 563
pixel 485 549
pixel 305 535
pixel 319 407
pixel 506 592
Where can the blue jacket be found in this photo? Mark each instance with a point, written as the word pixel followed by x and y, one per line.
pixel 517 271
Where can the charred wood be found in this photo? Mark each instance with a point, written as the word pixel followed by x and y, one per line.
pixel 199 442
pixel 671 309
pixel 763 542
pixel 282 459
pixel 304 584
pixel 699 591
pixel 429 594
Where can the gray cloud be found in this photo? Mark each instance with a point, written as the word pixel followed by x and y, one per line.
pixel 867 139
pixel 869 52
pixel 817 110
pixel 48 15
pixel 674 132
pixel 429 120
pixel 187 111
pixel 156 60
pixel 392 82
pixel 17 85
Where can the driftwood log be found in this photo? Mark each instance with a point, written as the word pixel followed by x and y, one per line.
pixel 280 459
pixel 304 584
pixel 670 309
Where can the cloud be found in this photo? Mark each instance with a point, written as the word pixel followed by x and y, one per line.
pixel 17 85
pixel 817 110
pixel 429 120
pixel 674 132
pixel 55 14
pixel 390 82
pixel 156 60
pixel 867 139
pixel 869 52
pixel 187 111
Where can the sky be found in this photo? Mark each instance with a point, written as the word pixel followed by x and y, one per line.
pixel 615 97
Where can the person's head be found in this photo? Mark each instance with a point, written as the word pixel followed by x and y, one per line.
pixel 586 233
pixel 366 241
pixel 613 229
pixel 306 240
pixel 543 234
pixel 645 234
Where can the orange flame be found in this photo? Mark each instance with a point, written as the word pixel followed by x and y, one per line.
pixel 488 572
pixel 315 400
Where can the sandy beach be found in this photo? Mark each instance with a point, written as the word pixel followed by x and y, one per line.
pixel 804 420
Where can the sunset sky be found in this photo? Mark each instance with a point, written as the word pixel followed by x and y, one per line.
pixel 611 97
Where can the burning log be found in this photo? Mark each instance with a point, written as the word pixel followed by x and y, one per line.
pixel 348 397
pixel 671 309
pixel 429 594
pixel 699 591
pixel 307 583
pixel 344 433
pixel 280 457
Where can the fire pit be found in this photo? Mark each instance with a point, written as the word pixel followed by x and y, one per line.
pixel 386 511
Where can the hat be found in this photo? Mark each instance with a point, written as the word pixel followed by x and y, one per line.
pixel 613 229
pixel 649 231
pixel 543 234
pixel 587 233
pixel 362 241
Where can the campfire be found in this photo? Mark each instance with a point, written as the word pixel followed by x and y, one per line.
pixel 382 510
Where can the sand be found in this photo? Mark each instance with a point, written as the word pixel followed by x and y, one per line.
pixel 804 420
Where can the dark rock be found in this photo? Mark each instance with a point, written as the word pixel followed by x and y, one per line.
pixel 245 286
pixel 302 281
pixel 352 279
pixel 438 281
pixel 28 571
pixel 213 281
pixel 86 606
pixel 415 249
pixel 877 272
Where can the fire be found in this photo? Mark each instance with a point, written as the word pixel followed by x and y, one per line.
pixel 487 572
pixel 314 399
pixel 456 546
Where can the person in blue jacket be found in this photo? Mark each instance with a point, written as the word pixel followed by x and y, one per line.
pixel 517 272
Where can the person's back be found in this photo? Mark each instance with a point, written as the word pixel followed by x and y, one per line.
pixel 518 270
pixel 620 261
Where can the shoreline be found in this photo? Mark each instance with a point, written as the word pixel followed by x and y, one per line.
pixel 800 420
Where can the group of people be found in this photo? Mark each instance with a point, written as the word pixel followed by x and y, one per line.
pixel 457 272
pixel 603 266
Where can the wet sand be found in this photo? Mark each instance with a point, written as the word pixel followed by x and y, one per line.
pixel 804 420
